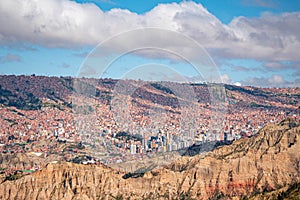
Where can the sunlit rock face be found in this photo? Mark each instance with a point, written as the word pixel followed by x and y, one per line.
pixel 268 161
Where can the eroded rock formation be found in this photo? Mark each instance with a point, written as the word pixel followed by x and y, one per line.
pixel 268 161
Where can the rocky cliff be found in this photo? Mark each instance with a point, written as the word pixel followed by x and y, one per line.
pixel 264 163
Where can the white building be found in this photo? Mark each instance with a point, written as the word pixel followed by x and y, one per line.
pixel 132 149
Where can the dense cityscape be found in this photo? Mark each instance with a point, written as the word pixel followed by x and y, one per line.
pixel 57 123
pixel 146 100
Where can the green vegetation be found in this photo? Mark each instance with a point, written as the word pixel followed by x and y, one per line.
pixel 13 177
pixel 52 105
pixel 127 136
pixel 2 170
pixel 27 171
pixel 162 88
pixel 255 91
pixel 218 195
pixel 23 101
pixel 118 197
pixel 256 105
pixel 292 193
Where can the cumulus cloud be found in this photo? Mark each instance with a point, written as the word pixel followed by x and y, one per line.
pixel 237 84
pixel 270 37
pixel 276 80
pixel 67 24
pixel 221 78
pixel 273 81
pixel 226 79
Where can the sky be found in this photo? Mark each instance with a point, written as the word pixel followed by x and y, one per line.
pixel 246 42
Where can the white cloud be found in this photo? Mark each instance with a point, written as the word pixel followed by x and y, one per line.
pixel 237 84
pixel 274 65
pixel 226 79
pixel 62 23
pixel 273 81
pixel 276 80
pixel 269 37
pixel 220 78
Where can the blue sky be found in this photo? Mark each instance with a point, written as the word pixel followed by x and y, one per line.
pixel 252 42
pixel 224 10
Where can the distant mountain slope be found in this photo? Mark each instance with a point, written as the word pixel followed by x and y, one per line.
pixel 28 92
pixel 266 162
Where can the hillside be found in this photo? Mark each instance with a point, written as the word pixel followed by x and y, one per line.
pixel 28 92
pixel 64 119
pixel 250 166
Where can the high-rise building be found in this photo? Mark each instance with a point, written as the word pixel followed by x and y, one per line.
pixel 145 144
pixel 169 147
pixel 132 149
